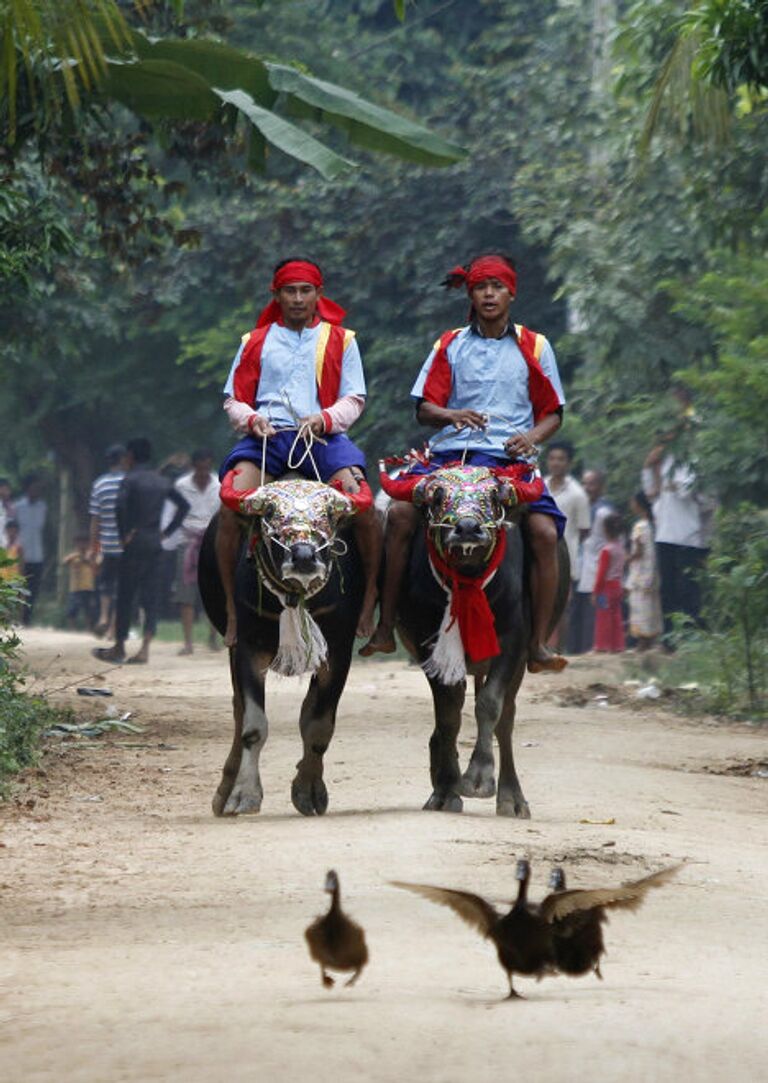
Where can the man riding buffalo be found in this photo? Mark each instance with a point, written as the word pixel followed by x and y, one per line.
pixel 295 387
pixel 493 390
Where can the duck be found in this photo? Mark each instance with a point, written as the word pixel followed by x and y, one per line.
pixel 576 917
pixel 560 935
pixel 523 940
pixel 335 941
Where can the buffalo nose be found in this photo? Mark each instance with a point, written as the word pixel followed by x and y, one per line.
pixel 467 529
pixel 303 557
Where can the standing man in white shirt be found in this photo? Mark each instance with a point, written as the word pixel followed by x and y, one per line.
pixel 31 512
pixel 582 622
pixel 200 488
pixel 573 501
pixel 683 517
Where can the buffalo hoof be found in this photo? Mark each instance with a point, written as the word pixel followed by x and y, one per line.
pixel 508 806
pixel 310 800
pixel 444 802
pixel 220 799
pixel 478 782
pixel 242 802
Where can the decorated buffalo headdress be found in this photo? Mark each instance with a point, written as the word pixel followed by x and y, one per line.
pixel 449 495
pixel 284 513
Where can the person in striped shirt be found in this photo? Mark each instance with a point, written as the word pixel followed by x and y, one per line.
pixel 105 538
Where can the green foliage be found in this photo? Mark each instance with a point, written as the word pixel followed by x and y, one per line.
pixel 732 443
pixel 22 717
pixel 733 42
pixel 184 79
pixel 33 234
pixel 729 656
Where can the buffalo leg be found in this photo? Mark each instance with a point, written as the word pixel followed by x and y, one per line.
pixel 443 752
pixel 506 672
pixel 232 764
pixel 510 800
pixel 317 722
pixel 246 793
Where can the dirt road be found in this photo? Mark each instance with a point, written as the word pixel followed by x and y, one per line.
pixel 144 940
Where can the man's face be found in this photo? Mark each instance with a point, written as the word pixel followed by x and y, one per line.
pixel 491 299
pixel 593 484
pixel 5 491
pixel 558 462
pixel 298 302
pixel 202 467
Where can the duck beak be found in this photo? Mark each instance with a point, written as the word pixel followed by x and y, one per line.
pixel 331 880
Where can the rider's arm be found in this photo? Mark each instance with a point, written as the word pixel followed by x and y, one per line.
pixel 344 413
pixel 242 416
pixel 429 413
pixel 522 443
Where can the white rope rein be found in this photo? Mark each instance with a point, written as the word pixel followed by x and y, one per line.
pixel 469 431
pixel 304 436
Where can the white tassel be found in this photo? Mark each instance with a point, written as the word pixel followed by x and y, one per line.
pixel 302 647
pixel 447 663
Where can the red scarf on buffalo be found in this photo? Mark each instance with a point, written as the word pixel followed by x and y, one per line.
pixel 469 603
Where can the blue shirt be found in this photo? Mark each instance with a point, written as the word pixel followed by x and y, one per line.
pixel 288 365
pixel 489 375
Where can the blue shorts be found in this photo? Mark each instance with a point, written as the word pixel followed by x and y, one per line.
pixel 337 453
pixel 545 505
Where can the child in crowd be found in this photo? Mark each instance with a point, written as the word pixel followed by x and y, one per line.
pixel 13 552
pixel 82 583
pixel 608 590
pixel 643 581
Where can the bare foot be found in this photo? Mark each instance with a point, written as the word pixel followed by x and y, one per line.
pixel 186 649
pixel 382 642
pixel 366 623
pixel 542 660
pixel 139 659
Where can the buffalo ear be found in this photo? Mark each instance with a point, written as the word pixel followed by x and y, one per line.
pixel 258 502
pixel 340 509
pixel 436 497
pixel 507 495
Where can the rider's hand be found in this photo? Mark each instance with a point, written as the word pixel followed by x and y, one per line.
pixel 315 423
pixel 520 446
pixel 468 419
pixel 259 426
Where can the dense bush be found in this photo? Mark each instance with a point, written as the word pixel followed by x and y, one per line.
pixel 728 657
pixel 22 717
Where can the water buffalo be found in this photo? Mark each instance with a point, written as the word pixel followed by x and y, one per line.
pixel 473 546
pixel 298 589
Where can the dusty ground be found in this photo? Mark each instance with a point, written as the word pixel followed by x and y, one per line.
pixel 145 940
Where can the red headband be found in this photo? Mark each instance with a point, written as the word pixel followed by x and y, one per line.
pixel 482 269
pixel 298 270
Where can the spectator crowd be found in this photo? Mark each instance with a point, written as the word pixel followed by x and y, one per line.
pixel 138 555
pixel 629 575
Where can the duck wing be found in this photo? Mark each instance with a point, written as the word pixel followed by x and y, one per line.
pixel 629 896
pixel 471 908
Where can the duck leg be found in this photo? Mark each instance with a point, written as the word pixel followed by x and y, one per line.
pixel 354 977
pixel 328 981
pixel 513 993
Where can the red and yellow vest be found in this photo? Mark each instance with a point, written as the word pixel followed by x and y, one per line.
pixel 332 341
pixel 544 398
